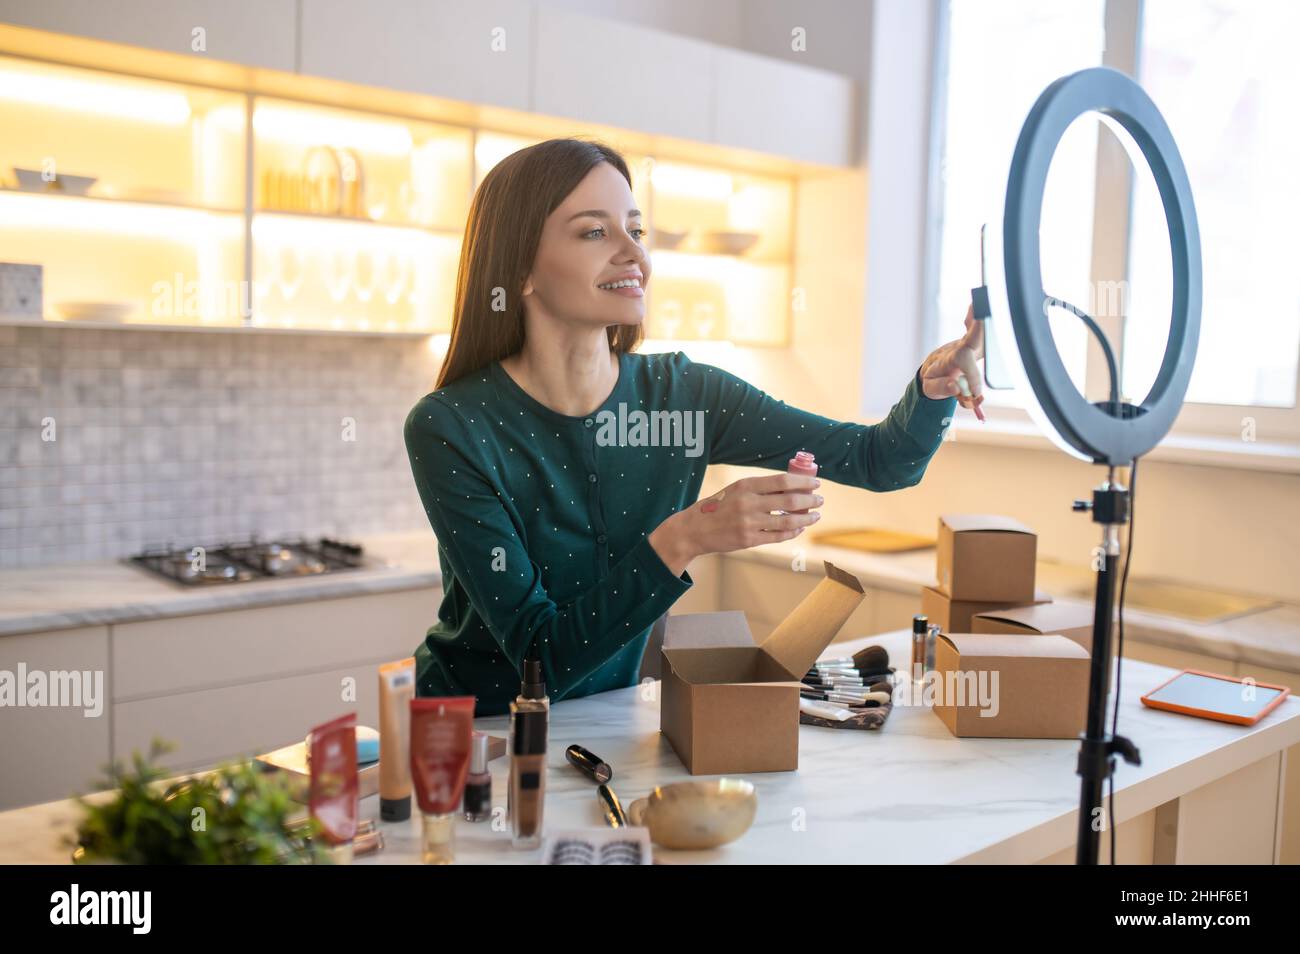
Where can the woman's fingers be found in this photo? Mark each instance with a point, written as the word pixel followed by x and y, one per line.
pixel 778 483
pixel 790 501
pixel 782 522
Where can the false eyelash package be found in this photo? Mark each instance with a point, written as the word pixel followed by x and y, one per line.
pixel 598 846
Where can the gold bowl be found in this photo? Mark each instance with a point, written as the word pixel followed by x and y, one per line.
pixel 696 815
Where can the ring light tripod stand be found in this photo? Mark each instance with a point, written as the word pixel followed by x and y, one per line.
pixel 1108 432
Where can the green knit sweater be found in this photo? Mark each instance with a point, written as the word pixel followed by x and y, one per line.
pixel 543 519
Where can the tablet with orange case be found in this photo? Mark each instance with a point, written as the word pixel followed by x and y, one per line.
pixel 1186 707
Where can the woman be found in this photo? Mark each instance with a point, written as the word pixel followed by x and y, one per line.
pixel 563 532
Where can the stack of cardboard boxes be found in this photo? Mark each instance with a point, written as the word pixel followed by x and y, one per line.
pixel 985 563
pixel 1009 663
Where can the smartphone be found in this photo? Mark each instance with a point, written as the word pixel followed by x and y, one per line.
pixel 996 373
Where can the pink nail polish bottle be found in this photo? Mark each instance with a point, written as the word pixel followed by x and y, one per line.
pixel 802 463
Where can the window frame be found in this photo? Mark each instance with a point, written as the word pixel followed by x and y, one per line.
pixel 1202 432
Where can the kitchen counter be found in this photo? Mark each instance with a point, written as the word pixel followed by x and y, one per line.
pixel 98 592
pixel 38 599
pixel 907 793
pixel 1266 637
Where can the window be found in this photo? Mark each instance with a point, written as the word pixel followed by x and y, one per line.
pixel 1227 84
pixel 1000 57
pixel 1227 81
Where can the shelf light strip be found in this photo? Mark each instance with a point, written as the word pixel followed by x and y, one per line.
pixel 45 212
pixel 308 127
pixel 125 100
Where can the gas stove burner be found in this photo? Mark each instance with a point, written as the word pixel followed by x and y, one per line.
pixel 215 568
pixel 281 559
pixel 251 559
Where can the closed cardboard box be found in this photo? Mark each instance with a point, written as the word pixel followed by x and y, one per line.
pixel 1071 620
pixel 986 557
pixel 954 616
pixel 1010 686
pixel 729 704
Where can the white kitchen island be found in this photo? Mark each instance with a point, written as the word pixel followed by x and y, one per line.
pixel 1206 792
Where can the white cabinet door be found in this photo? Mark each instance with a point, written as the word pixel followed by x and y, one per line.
pixel 603 71
pixel 177 654
pixel 774 106
pixel 54 751
pixel 252 32
pixel 214 725
pixel 478 51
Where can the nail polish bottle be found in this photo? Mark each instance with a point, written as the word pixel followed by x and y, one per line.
pixel 802 463
pixel 478 784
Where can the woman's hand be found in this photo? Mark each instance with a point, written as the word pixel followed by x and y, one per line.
pixel 737 517
pixel 943 366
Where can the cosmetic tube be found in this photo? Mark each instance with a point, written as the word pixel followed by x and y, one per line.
pixel 334 789
pixel 440 740
pixel 396 689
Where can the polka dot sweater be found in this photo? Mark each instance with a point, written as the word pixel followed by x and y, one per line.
pixel 543 519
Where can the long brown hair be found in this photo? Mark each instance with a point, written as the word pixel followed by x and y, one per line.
pixel 504 229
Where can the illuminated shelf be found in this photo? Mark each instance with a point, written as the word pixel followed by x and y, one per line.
pixel 124 201
pixel 743 257
pixel 356 220
pixel 25 322
pixel 243 152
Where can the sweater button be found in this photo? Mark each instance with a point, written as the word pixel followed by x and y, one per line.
pixel 588 422
pixel 600 538
pixel 591 478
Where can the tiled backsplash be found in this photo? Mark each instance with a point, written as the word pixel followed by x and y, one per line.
pixel 195 436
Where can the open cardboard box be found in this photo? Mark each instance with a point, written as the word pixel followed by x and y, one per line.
pixel 730 704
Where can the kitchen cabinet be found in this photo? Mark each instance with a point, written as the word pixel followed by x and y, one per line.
pixel 220 685
pixel 783 108
pixel 53 752
pixel 216 684
pixel 250 32
pixel 212 725
pixel 475 50
pixel 1290 835
pixel 603 71
pixel 185 653
pixel 691 89
pixel 353 220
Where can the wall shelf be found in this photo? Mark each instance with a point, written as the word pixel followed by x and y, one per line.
pixel 207 327
pixel 257 266
pixel 127 201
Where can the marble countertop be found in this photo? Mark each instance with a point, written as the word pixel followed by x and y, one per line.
pixel 909 793
pixel 98 592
